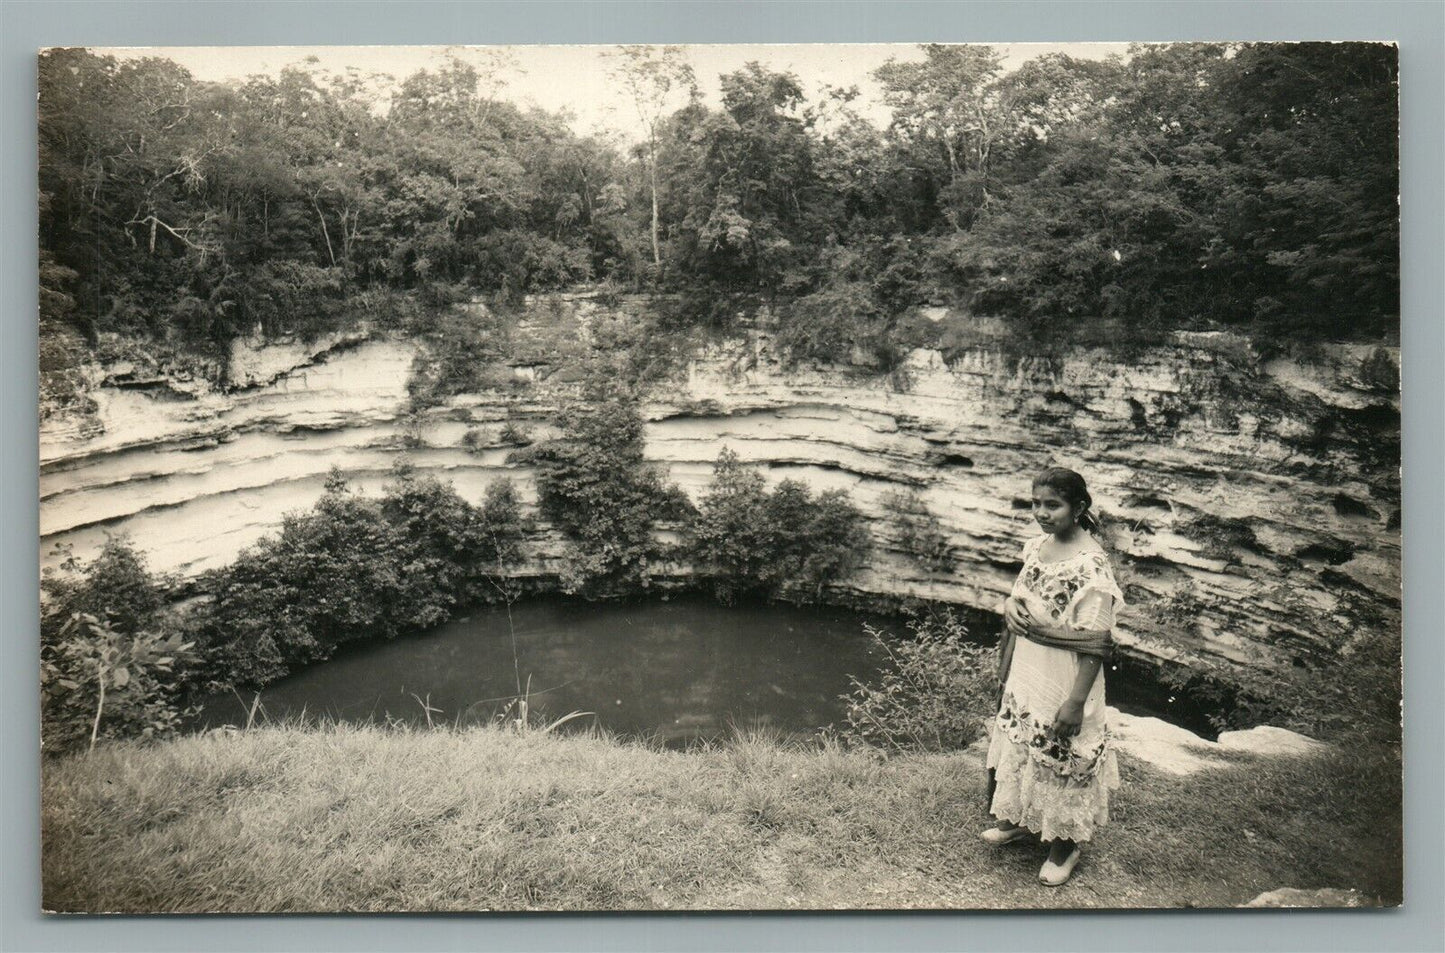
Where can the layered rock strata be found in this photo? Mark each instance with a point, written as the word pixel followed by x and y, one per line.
pixel 1252 506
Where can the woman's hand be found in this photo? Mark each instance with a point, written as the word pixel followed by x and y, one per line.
pixel 1069 719
pixel 1017 617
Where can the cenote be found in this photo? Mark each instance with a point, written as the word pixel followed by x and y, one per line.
pixel 677 670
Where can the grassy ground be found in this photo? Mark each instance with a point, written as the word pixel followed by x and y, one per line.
pixel 352 819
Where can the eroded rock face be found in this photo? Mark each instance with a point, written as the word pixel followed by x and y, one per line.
pixel 1252 507
pixel 194 476
pixel 1228 534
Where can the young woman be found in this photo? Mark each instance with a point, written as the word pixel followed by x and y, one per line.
pixel 1050 763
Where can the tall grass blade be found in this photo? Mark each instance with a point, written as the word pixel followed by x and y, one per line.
pixel 566 718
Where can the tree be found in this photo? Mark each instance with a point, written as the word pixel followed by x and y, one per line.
pixel 1313 134
pixel 594 484
pixel 946 112
pixel 729 538
pixel 654 76
pixel 744 539
pixel 1109 203
pixel 741 183
pixel 1252 185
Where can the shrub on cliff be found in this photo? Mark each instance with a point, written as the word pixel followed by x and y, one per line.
pixel 747 540
pixel 1379 372
pixel 595 486
pixel 515 433
pixel 827 325
pixel 825 537
pixel 463 352
pixel 729 539
pixel 933 697
pixel 451 552
pixel 354 568
pixel 917 532
pixel 111 663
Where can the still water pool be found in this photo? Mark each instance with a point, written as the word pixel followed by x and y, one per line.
pixel 678 670
pixel 675 670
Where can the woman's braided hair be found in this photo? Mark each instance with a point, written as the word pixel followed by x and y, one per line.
pixel 1072 488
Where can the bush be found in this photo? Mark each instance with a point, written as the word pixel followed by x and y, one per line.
pixel 451 553
pixel 746 540
pixel 1219 537
pixel 730 540
pixel 115 586
pixel 638 349
pixel 595 486
pixel 516 434
pixel 475 440
pixel 827 325
pixel 110 664
pixel 330 576
pixel 441 295
pixel 386 308
pixel 97 681
pixel 1379 373
pixel 463 353
pixel 935 696
pixel 917 531
pixel 831 540
pixel 353 569
pixel 284 296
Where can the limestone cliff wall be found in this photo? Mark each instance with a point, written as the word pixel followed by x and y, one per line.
pixel 1252 506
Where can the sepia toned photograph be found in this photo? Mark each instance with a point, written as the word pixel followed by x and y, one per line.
pixel 719 478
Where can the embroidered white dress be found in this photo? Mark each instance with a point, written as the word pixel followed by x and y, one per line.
pixel 1056 787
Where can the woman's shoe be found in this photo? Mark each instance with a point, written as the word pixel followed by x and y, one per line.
pixel 998 836
pixel 1056 875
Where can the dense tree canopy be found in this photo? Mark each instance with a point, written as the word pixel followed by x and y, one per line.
pixel 1187 185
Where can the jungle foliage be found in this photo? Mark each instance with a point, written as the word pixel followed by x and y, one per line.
pixel 1243 185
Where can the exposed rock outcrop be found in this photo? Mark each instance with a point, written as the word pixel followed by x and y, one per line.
pixel 1253 506
pixel 1323 897
pixel 1176 750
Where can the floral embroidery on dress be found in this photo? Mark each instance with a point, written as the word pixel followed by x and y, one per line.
pixel 1057 583
pixel 1047 748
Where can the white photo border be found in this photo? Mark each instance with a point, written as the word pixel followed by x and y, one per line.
pixel 1419 28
